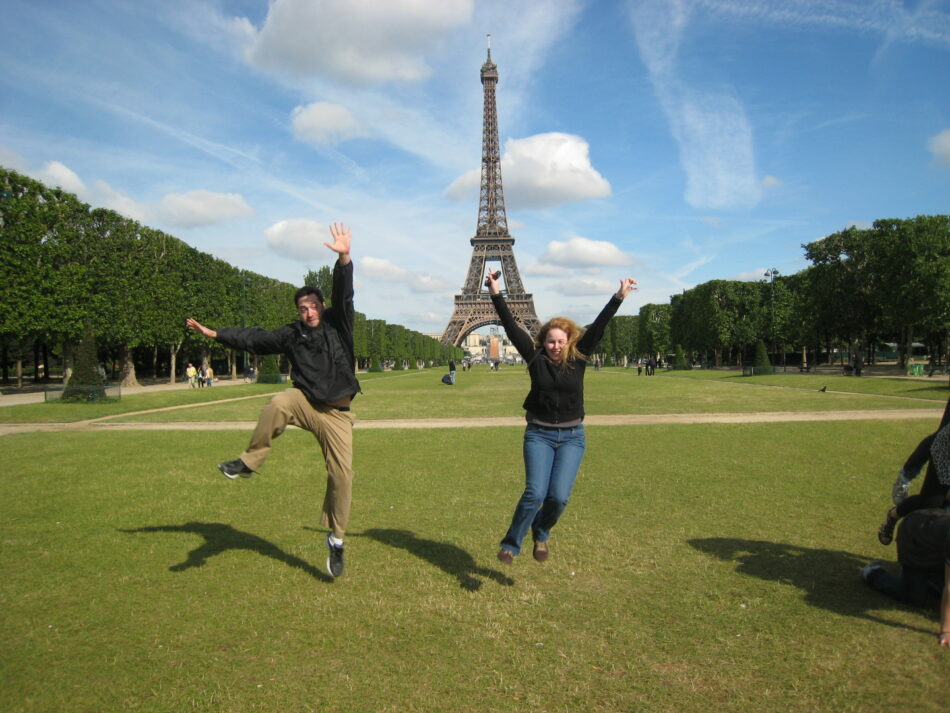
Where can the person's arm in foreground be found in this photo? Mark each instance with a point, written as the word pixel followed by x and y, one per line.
pixel 911 469
pixel 195 326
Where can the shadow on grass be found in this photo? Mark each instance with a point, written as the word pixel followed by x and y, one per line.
pixel 830 579
pixel 221 538
pixel 449 558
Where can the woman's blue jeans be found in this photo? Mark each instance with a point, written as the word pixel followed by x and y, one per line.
pixel 551 459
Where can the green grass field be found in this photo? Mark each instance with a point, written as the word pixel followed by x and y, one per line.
pixel 698 567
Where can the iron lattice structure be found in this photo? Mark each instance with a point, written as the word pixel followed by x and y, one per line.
pixel 492 242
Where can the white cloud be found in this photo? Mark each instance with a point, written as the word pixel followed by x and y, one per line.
pixel 771 182
pixel 540 171
pixel 710 126
pixel 99 195
pixel 581 252
pixel 325 123
pixel 203 208
pixel 587 288
pixel 354 40
pixel 690 267
pixel 423 283
pixel 749 276
pixel 549 169
pixel 939 146
pixel 11 159
pixel 910 23
pixel 539 270
pixel 56 174
pixel 375 268
pixel 299 239
pixel 106 196
pixel 466 186
pixel 715 143
pixel 382 270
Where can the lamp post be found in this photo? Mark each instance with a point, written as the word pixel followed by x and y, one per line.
pixel 770 275
pixel 244 280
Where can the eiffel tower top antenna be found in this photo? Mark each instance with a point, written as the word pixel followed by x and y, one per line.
pixel 492 220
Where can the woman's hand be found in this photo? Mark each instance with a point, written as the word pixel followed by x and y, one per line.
pixel 627 285
pixel 491 280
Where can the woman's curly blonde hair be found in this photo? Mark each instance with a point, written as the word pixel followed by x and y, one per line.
pixel 573 331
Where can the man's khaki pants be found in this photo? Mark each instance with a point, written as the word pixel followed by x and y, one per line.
pixel 334 431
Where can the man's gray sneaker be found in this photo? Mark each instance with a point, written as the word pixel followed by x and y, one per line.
pixel 334 559
pixel 235 468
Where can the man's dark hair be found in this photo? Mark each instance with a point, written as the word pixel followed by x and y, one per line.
pixel 309 290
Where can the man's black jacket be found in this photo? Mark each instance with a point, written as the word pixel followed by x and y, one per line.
pixel 321 357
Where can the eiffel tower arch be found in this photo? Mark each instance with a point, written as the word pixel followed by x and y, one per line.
pixel 492 245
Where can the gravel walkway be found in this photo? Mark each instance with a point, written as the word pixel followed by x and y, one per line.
pixel 590 420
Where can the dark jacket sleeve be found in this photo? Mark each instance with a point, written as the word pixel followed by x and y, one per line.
pixel 595 332
pixel 921 454
pixel 343 312
pixel 255 339
pixel 518 336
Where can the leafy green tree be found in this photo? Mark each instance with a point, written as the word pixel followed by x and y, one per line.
pixel 654 329
pixel 890 279
pixel 761 362
pixel 398 345
pixel 679 358
pixel 45 292
pixel 377 342
pixel 85 383
pixel 322 278
pixel 360 337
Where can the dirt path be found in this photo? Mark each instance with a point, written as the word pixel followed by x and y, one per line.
pixel 591 420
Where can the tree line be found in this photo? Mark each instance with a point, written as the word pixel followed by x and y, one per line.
pixel 889 283
pixel 67 268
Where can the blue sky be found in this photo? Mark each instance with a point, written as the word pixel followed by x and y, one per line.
pixel 672 141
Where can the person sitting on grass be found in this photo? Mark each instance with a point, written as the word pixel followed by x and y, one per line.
pixel 923 551
pixel 934 449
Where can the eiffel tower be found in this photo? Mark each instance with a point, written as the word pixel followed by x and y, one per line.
pixel 492 243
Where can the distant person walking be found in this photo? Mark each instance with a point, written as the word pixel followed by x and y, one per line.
pixel 192 373
pixel 554 440
pixel 319 347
